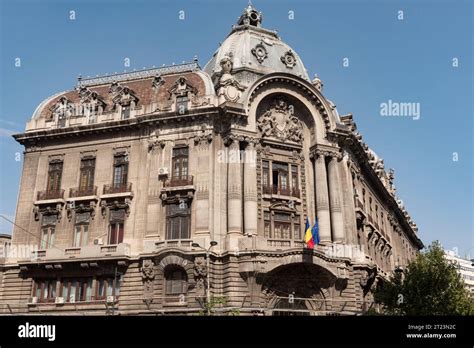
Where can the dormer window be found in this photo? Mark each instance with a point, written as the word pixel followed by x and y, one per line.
pixel 125 112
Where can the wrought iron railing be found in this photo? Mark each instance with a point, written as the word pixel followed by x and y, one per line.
pixel 55 194
pixel 118 188
pixel 183 180
pixel 276 190
pixel 83 191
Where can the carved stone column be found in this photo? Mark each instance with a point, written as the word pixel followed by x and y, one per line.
pixel 234 190
pixel 202 152
pixel 322 199
pixel 250 190
pixel 337 222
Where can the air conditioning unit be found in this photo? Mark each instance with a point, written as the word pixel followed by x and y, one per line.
pixel 110 299
pixel 33 300
pixel 59 300
pixel 72 298
pixel 163 171
pixel 98 241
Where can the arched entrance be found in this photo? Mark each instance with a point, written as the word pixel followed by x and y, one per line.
pixel 285 307
pixel 297 289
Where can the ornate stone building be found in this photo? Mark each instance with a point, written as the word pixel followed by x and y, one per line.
pixel 125 175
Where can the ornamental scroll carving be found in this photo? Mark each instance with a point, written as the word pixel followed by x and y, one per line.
pixel 148 275
pixel 200 274
pixel 280 122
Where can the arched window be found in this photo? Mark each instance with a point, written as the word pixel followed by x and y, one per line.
pixel 176 281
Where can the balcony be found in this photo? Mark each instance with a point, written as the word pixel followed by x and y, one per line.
pixel 177 181
pixel 83 252
pixel 155 245
pixel 47 195
pixel 275 190
pixel 117 188
pixel 77 192
pixel 285 243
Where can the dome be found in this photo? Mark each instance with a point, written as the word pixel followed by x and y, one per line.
pixel 255 49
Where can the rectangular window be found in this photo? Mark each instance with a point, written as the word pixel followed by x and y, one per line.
pixel 282 226
pixel 178 221
pixel 116 233
pixel 81 229
pixel 280 178
pixel 265 177
pixel 107 286
pixel 45 290
pixel 81 234
pixel 294 180
pixel 54 176
pixel 267 224
pixel 86 175
pixel 120 171
pixel 180 163
pixel 76 290
pixel 47 237
pixel 296 228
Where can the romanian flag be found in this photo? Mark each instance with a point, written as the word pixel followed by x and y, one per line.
pixel 308 236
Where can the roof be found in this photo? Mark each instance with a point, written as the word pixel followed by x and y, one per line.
pixel 256 49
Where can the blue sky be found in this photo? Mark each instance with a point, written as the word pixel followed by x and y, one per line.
pixel 407 60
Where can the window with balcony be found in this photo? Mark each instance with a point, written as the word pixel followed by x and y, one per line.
pixel 178 221
pixel 107 286
pixel 120 171
pixel 282 225
pixel 180 163
pixel 280 178
pixel 176 281
pixel 54 177
pixel 45 290
pixel 86 177
pixel 76 290
pixel 48 231
pixel 81 230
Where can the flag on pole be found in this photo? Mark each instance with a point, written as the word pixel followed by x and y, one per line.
pixel 315 233
pixel 308 236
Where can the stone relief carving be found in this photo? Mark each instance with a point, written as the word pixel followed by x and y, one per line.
pixel 316 82
pixel 200 274
pixel 88 207
pixel 280 122
pixel 228 89
pixel 148 275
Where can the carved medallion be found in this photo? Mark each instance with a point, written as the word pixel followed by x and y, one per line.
pixel 260 52
pixel 289 59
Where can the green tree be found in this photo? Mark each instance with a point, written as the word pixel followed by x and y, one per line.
pixel 430 285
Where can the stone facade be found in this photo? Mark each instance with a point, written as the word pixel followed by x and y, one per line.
pixel 128 178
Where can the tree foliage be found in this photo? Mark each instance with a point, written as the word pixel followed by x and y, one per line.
pixel 430 285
